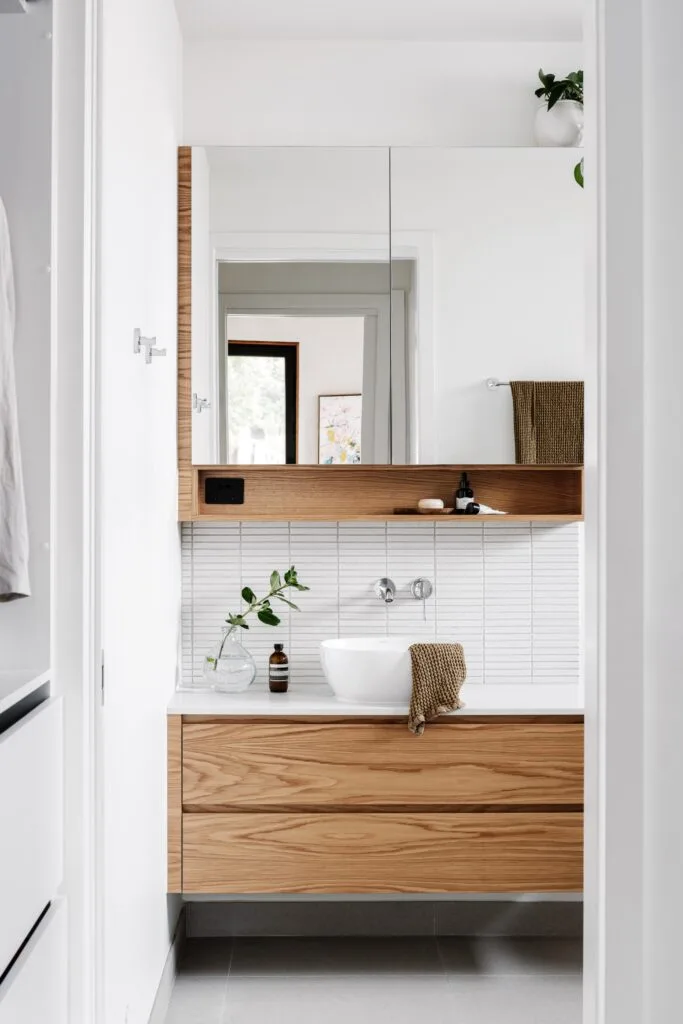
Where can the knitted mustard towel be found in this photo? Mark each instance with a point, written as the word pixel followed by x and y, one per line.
pixel 548 418
pixel 439 671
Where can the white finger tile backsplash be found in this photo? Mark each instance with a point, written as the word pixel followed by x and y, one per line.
pixel 509 592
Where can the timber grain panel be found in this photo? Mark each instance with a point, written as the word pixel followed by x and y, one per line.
pixel 382 853
pixel 357 492
pixel 175 811
pixel 328 765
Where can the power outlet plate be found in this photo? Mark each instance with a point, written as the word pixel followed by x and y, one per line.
pixel 224 490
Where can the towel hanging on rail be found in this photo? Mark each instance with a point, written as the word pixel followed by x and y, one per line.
pixel 14 581
pixel 548 421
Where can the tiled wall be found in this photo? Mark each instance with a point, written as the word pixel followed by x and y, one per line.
pixel 508 591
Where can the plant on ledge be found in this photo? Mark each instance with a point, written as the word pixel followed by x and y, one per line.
pixel 556 89
pixel 559 122
pixel 230 668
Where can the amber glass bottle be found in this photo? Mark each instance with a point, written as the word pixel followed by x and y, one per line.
pixel 278 670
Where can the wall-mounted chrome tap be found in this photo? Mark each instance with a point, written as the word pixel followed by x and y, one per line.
pixel 421 588
pixel 385 590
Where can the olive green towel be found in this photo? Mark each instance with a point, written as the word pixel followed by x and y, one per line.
pixel 548 422
pixel 439 671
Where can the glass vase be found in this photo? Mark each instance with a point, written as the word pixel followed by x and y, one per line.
pixel 229 668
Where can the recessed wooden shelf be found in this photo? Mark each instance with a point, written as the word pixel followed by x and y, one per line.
pixel 551 494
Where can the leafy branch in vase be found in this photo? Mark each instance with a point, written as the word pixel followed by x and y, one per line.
pixel 262 605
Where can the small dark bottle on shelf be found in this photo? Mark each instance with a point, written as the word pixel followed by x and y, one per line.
pixel 278 670
pixel 464 496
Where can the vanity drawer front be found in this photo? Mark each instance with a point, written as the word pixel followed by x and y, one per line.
pixel 382 853
pixel 302 765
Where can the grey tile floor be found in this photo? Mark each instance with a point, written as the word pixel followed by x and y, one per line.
pixel 370 981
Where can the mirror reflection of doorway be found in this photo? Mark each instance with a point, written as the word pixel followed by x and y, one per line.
pixel 272 372
pixel 262 388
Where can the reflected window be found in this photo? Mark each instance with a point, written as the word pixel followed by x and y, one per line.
pixel 262 382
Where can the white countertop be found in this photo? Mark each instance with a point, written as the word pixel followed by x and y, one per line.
pixel 19 683
pixel 318 699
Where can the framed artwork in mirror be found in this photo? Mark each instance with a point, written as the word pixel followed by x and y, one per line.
pixel 339 429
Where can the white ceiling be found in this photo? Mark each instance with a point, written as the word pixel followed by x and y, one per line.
pixel 409 20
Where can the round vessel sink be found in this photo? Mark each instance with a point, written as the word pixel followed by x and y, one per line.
pixel 369 670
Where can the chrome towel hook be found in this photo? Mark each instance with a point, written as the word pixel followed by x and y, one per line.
pixel 141 343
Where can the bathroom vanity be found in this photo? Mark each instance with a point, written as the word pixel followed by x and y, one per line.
pixel 376 302
pixel 300 794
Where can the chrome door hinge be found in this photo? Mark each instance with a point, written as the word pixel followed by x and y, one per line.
pixel 101 678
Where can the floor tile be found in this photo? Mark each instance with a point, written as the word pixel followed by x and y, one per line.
pixel 270 957
pixel 198 999
pixel 340 1000
pixel 540 999
pixel 513 956
pixel 368 981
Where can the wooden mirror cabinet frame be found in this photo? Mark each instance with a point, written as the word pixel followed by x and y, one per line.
pixel 545 493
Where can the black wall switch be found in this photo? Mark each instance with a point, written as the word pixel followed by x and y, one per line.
pixel 224 490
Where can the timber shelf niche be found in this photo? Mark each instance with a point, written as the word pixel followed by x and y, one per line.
pixel 332 493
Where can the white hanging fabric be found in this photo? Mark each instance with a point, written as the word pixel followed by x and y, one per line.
pixel 14 548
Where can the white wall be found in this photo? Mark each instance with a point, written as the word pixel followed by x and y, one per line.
pixel 25 186
pixel 330 362
pixel 365 93
pixel 504 232
pixel 317 190
pixel 140 121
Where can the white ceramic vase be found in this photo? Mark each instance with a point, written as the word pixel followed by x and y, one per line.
pixel 560 126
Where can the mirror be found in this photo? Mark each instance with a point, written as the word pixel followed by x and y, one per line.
pixel 350 304
pixel 488 282
pixel 290 306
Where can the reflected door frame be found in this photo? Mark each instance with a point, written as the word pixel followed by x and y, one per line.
pixel 376 315
pixel 241 247
pixel 412 364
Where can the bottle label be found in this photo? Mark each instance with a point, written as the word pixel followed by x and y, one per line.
pixel 462 503
pixel 279 670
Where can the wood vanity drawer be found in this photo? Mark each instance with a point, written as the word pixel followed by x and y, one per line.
pixel 382 853
pixel 326 765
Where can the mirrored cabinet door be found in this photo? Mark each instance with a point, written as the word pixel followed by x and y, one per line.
pixel 487 282
pixel 350 305
pixel 291 306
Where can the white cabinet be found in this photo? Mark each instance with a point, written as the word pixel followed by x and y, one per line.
pixel 34 990
pixel 31 831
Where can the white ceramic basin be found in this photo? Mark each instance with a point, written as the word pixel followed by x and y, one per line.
pixel 369 670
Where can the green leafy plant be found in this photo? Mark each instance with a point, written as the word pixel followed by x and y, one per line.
pixel 578 173
pixel 263 605
pixel 556 89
